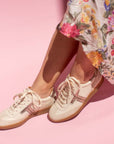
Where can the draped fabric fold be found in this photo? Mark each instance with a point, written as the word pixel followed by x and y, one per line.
pixel 92 23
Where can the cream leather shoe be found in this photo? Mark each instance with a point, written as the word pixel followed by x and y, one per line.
pixel 72 97
pixel 28 105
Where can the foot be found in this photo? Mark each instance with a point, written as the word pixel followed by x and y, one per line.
pixel 28 105
pixel 72 97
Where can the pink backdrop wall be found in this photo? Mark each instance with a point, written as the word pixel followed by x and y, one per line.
pixel 26 28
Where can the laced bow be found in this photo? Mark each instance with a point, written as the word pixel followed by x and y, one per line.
pixel 23 99
pixel 66 89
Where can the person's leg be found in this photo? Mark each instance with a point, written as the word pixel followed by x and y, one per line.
pixel 76 90
pixel 60 52
pixel 82 69
pixel 38 98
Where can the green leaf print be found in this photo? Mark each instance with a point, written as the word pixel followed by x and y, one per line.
pixel 112 46
pixel 82 39
pixel 104 40
pixel 112 3
pixel 110 32
pixel 82 26
pixel 104 28
pixel 106 14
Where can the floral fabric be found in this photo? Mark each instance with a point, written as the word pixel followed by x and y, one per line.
pixel 92 23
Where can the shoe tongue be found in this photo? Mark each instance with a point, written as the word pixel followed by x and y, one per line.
pixel 74 79
pixel 74 84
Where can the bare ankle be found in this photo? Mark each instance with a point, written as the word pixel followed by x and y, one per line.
pixel 83 77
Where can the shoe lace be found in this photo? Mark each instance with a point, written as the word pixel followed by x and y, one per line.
pixel 65 89
pixel 21 99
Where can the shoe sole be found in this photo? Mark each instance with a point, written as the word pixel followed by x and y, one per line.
pixel 84 104
pixel 25 120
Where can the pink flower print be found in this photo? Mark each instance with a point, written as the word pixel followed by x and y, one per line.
pixel 74 31
pixel 112 52
pixel 70 31
pixel 113 41
pixel 111 21
pixel 113 12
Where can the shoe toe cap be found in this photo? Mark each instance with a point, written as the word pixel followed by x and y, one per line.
pixel 53 115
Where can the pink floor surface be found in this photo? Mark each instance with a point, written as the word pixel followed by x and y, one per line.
pixel 26 28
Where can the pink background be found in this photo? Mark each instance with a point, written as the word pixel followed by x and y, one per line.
pixel 26 27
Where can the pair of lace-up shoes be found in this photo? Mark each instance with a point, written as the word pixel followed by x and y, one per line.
pixel 71 97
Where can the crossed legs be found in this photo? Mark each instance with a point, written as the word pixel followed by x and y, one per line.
pixel 60 52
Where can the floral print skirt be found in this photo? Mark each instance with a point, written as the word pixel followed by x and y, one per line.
pixel 92 23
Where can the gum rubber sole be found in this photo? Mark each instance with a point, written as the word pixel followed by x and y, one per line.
pixel 84 104
pixel 25 120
